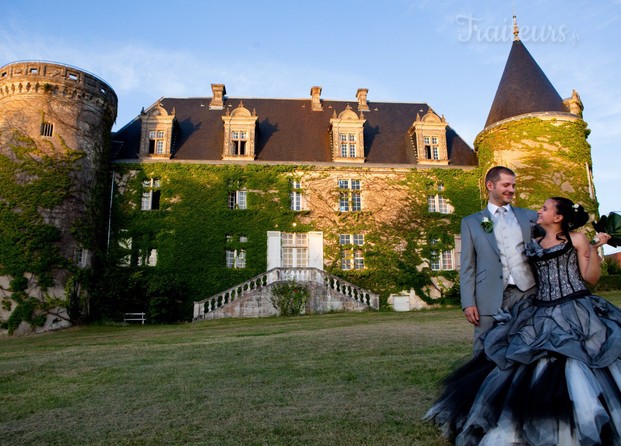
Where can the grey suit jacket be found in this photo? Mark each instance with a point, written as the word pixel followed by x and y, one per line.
pixel 480 275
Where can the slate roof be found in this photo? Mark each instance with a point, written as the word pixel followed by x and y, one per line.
pixel 289 131
pixel 524 88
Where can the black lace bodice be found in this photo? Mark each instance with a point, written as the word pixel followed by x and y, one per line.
pixel 557 270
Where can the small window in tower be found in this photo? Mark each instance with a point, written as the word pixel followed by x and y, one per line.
pixel 34 71
pixel 102 90
pixel 47 129
pixel 72 76
pixel 4 74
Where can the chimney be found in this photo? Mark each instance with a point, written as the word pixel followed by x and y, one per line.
pixel 217 103
pixel 361 94
pixel 315 99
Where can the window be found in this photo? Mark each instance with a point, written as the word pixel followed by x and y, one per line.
pixel 297 196
pixel 47 129
pixel 237 199
pixel 238 142
pixel 349 195
pixel 347 136
pixel 348 145
pixel 125 246
pixel 294 250
pixel 441 260
pixel 150 195
pixel 240 125
pixel 242 238
pixel 81 257
pixel 352 256
pixel 432 150
pixel 437 203
pixel 235 258
pixel 157 142
pixel 157 128
pixel 147 257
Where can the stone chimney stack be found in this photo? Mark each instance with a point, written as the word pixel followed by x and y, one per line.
pixel 361 94
pixel 315 99
pixel 219 91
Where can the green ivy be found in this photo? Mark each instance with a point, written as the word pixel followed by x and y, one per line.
pixel 554 156
pixel 35 180
pixel 191 227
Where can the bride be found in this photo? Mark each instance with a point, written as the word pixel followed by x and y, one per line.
pixel 550 372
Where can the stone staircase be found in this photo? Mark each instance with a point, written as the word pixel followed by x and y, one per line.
pixel 252 297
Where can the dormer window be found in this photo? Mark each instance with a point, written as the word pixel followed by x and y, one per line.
pixel 239 134
pixel 432 152
pixel 347 132
pixel 348 145
pixel 157 141
pixel 238 142
pixel 429 138
pixel 156 132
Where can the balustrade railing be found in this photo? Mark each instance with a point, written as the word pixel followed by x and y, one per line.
pixel 302 275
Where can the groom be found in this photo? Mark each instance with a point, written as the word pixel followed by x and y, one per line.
pixel 494 272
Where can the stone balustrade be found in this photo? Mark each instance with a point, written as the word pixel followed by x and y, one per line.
pixel 318 279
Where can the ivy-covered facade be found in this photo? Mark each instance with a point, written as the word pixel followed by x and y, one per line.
pixel 386 246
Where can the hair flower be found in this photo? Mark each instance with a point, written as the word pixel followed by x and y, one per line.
pixel 487 225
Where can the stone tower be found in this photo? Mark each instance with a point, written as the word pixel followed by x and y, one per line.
pixel 542 137
pixel 55 127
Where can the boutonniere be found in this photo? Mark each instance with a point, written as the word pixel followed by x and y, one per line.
pixel 487 225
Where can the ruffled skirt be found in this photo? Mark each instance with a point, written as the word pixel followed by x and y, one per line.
pixel 551 375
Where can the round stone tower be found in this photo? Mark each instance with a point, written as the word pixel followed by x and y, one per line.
pixel 542 137
pixel 55 127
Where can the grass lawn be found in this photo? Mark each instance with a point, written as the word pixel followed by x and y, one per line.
pixel 335 379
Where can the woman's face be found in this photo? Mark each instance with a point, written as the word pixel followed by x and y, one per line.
pixel 547 215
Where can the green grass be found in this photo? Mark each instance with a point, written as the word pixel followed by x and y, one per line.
pixel 335 379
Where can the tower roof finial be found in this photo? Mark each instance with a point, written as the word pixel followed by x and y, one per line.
pixel 516 30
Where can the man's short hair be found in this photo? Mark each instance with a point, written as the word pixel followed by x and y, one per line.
pixel 494 173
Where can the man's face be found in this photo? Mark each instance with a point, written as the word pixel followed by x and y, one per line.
pixel 503 191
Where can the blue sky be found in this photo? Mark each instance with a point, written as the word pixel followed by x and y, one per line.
pixel 449 54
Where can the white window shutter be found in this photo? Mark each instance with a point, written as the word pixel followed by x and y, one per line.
pixel 315 250
pixel 273 250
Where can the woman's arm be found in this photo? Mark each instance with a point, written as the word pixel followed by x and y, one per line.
pixel 589 261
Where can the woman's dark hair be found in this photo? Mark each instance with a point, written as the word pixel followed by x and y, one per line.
pixel 574 215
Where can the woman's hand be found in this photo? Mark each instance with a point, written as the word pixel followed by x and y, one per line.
pixel 600 239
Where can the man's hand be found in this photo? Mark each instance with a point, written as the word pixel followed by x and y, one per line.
pixel 472 315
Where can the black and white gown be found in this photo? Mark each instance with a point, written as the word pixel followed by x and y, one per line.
pixel 550 372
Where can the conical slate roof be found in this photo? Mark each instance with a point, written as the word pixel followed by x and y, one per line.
pixel 524 88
